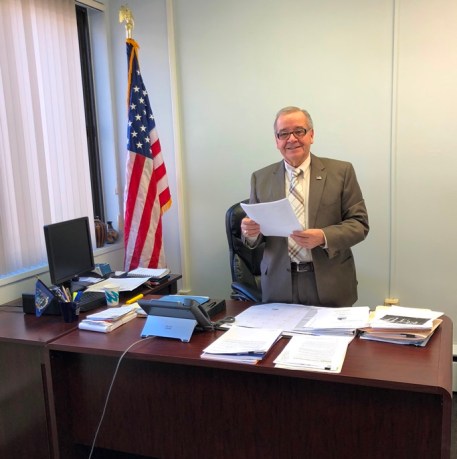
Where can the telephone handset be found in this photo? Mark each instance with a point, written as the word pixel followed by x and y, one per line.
pixel 188 309
pixel 201 316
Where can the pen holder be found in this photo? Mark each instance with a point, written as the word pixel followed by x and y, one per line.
pixel 69 310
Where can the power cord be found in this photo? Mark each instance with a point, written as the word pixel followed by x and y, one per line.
pixel 109 391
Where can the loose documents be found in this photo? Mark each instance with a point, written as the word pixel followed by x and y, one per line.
pixel 403 317
pixel 151 273
pixel 297 318
pixel 125 284
pixel 109 319
pixel 314 353
pixel 275 218
pixel 334 321
pixel 242 345
pixel 401 325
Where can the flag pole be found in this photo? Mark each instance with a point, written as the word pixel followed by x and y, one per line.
pixel 125 15
pixel 146 195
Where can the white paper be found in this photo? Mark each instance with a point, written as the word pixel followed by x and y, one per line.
pixel 125 284
pixel 314 353
pixel 298 318
pixel 111 314
pixel 334 320
pixel 105 326
pixel 240 340
pixel 157 273
pixel 403 317
pixel 275 218
pixel 242 345
pixel 274 315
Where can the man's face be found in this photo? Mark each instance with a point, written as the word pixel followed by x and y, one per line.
pixel 294 150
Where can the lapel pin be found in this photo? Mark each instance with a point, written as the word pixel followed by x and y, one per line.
pixel 318 177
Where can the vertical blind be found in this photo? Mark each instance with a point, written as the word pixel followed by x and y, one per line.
pixel 44 167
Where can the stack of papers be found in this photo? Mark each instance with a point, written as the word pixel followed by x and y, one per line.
pixel 150 273
pixel 334 321
pixel 401 325
pixel 314 353
pixel 125 284
pixel 242 345
pixel 297 318
pixel 108 320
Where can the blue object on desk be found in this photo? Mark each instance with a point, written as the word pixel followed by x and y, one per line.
pixel 181 298
pixel 169 327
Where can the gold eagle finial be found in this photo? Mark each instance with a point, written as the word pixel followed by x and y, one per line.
pixel 125 15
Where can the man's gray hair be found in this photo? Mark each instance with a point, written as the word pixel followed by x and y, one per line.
pixel 292 109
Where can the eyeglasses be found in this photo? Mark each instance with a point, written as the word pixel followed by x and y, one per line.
pixel 298 134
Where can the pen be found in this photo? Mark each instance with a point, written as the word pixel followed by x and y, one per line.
pixel 135 298
pixel 66 292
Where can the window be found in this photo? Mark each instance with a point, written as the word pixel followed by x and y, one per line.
pixel 45 175
pixel 90 111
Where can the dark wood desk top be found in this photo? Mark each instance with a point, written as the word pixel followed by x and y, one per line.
pixel 17 327
pixel 374 364
pixel 12 306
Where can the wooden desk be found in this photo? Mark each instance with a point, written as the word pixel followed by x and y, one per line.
pixel 25 422
pixel 24 414
pixel 167 287
pixel 390 401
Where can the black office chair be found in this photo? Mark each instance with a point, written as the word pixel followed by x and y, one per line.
pixel 244 262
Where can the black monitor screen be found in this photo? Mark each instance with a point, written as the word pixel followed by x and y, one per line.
pixel 69 249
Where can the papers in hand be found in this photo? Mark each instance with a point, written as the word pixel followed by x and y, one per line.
pixel 242 345
pixel 314 353
pixel 275 218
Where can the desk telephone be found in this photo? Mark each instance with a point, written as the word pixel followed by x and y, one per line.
pixel 188 309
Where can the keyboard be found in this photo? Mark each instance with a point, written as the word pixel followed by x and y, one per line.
pixel 91 300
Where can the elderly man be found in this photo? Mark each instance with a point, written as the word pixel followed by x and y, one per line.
pixel 315 265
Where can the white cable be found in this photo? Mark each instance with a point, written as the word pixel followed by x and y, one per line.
pixel 109 391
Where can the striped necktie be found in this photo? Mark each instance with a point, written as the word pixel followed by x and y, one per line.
pixel 296 252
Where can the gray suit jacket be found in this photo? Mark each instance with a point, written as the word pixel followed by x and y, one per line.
pixel 336 206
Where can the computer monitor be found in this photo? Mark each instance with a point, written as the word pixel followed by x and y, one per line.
pixel 69 249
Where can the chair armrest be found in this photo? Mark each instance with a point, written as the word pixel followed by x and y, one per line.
pixel 246 292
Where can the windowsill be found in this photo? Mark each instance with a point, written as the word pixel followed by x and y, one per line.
pixel 42 269
pixel 107 248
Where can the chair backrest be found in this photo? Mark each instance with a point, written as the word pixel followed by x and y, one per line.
pixel 244 262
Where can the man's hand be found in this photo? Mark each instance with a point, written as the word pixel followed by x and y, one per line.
pixel 309 238
pixel 249 228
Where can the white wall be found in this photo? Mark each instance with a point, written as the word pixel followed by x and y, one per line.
pixel 378 78
pixel 425 169
pixel 239 62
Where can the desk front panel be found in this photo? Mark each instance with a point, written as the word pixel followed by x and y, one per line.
pixel 181 411
pixel 24 414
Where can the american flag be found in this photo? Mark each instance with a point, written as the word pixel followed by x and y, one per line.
pixel 147 195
